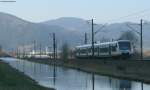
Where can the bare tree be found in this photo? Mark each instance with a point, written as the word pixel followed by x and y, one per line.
pixel 65 52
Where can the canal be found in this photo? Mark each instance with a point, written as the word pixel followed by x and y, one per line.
pixel 70 79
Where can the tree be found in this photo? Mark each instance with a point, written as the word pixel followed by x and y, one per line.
pixel 65 52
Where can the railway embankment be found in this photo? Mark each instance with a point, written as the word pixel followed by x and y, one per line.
pixel 137 70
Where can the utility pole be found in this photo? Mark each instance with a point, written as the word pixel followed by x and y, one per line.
pixel 54 46
pixel 93 34
pixel 85 40
pixel 23 51
pixel 54 55
pixel 141 85
pixel 93 81
pixel 34 42
pixel 40 50
pixel 92 39
pixel 141 39
pixel 56 50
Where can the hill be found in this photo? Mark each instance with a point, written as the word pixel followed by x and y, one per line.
pixel 16 32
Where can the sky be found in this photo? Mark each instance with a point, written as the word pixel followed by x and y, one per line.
pixel 103 11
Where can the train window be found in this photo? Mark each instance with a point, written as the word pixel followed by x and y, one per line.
pixel 104 50
pixel 124 46
pixel 83 51
pixel 113 48
pixel 89 50
pixel 96 49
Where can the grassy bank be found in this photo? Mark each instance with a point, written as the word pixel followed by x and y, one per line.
pixel 126 69
pixel 11 79
pixel 133 70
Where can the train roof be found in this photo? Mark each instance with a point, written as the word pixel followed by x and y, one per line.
pixel 105 43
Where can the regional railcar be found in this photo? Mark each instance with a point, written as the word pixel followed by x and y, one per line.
pixel 108 49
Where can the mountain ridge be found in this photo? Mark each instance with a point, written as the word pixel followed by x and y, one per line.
pixel 16 32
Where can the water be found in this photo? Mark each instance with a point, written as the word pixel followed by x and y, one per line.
pixel 70 79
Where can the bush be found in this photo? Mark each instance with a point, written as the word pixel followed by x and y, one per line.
pixel 65 52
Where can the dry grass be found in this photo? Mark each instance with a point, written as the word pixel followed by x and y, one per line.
pixel 11 79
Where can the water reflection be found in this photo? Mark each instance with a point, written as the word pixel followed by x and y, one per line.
pixel 125 85
pixel 68 79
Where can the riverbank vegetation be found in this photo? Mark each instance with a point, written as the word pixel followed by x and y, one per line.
pixel 11 79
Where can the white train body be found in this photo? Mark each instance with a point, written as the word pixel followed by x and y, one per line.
pixel 108 49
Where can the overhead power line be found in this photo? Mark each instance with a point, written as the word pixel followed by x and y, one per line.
pixel 132 29
pixel 129 15
pixel 98 30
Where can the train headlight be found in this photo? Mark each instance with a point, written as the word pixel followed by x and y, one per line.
pixel 125 52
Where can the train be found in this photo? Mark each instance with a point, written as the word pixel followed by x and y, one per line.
pixel 119 48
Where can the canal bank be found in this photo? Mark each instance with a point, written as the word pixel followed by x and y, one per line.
pixel 126 69
pixel 11 79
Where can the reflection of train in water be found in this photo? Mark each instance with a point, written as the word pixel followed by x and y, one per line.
pixel 108 49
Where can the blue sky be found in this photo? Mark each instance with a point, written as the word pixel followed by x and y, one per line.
pixel 102 10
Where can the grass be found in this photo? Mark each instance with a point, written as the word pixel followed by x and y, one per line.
pixel 11 79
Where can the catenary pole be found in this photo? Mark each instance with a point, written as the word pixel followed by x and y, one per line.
pixel 92 38
pixel 141 39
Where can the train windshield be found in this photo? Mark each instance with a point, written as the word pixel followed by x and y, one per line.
pixel 124 46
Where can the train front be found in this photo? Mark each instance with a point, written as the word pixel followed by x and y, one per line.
pixel 125 48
